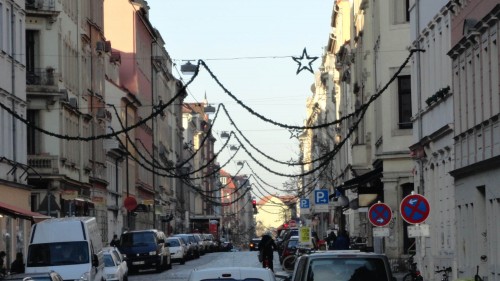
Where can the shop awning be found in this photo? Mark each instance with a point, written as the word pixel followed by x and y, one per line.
pixel 364 178
pixel 17 212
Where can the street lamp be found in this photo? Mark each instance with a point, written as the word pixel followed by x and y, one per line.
pixel 188 68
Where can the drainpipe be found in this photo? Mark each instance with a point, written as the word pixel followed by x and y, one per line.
pixel 419 96
pixel 13 93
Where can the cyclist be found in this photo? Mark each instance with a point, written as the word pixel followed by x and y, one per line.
pixel 267 246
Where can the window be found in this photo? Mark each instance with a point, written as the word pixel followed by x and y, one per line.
pixel 401 13
pixel 404 102
pixel 33 135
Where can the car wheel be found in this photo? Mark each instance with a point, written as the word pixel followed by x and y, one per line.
pixel 183 261
pixel 169 265
pixel 125 277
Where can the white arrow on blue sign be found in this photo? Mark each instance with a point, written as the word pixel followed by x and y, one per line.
pixel 304 203
pixel 321 197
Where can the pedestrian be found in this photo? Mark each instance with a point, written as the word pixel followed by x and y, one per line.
pixel 342 242
pixel 3 270
pixel 115 241
pixel 267 246
pixel 331 239
pixel 17 266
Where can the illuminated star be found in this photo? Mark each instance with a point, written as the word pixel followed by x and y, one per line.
pixel 305 61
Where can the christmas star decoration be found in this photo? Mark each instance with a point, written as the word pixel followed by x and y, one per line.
pixel 304 61
pixel 295 133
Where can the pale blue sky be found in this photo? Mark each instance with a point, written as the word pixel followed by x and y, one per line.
pixel 229 35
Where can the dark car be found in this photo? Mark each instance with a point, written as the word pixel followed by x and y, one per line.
pixel 145 249
pixel 254 244
pixel 42 276
pixel 342 266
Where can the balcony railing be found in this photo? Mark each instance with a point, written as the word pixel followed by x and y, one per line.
pixel 44 164
pixel 41 5
pixel 42 77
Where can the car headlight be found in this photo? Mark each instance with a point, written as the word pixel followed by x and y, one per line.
pixel 179 251
pixel 84 277
pixel 124 256
pixel 152 253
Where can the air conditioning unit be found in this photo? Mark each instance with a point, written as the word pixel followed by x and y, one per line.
pixel 100 46
pixel 101 113
pixel 73 102
pixel 107 46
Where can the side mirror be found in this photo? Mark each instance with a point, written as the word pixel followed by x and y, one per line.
pixel 95 260
pixel 161 240
pixel 167 244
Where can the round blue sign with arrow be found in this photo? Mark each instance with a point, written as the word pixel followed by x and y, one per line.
pixel 380 214
pixel 415 208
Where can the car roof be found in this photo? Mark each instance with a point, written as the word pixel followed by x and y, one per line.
pixel 344 253
pixel 231 273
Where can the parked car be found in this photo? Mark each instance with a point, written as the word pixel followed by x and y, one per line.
pixel 232 273
pixel 341 266
pixel 39 276
pixel 254 244
pixel 193 248
pixel 115 267
pixel 178 249
pixel 201 243
pixel 145 249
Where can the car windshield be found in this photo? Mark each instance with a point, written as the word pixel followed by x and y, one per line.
pixel 62 253
pixel 292 243
pixel 347 269
pixel 173 242
pixel 108 261
pixel 137 239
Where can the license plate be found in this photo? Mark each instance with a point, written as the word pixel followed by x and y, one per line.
pixel 137 262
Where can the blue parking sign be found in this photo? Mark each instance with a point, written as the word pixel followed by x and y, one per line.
pixel 304 203
pixel 321 197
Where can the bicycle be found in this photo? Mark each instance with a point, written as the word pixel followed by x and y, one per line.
pixel 414 273
pixel 288 263
pixel 445 271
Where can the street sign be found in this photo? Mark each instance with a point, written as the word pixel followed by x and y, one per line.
pixel 414 208
pixel 321 200
pixel 305 235
pixel 304 203
pixel 381 232
pixel 380 214
pixel 421 230
pixel 321 197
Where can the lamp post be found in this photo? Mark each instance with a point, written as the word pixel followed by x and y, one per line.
pixel 188 68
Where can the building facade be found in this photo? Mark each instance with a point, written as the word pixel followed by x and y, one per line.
pixel 475 86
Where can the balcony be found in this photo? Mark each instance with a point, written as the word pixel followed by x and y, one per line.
pixel 42 8
pixel 42 80
pixel 44 164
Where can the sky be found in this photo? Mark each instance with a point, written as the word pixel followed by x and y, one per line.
pixel 248 45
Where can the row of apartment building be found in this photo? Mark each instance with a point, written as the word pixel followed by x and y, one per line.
pixel 94 123
pixel 433 128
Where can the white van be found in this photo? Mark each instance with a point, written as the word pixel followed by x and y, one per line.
pixel 70 246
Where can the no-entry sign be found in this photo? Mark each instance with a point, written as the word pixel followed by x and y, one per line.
pixel 415 208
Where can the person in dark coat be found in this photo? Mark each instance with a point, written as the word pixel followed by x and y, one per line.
pixel 3 270
pixel 17 266
pixel 342 242
pixel 115 241
pixel 267 246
